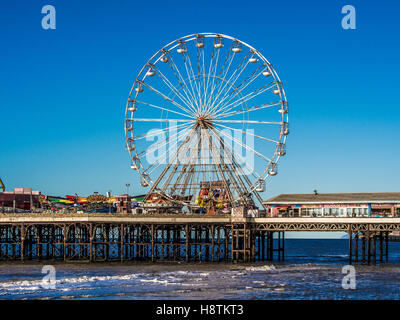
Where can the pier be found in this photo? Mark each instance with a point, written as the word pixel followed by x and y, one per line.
pixel 186 238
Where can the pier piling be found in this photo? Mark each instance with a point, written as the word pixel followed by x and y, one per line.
pixel 189 239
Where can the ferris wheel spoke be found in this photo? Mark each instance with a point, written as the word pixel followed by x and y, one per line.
pixel 247 121
pixel 213 79
pixel 246 110
pixel 176 91
pixel 244 145
pixel 163 157
pixel 183 146
pixel 218 168
pixel 235 163
pixel 229 54
pixel 206 95
pixel 246 132
pixel 165 170
pixel 233 157
pixel 223 77
pixel 243 85
pixel 160 144
pixel 211 85
pixel 238 90
pixel 242 66
pixel 249 96
pixel 165 97
pixel 182 82
pixel 222 74
pixel 158 131
pixel 157 147
pixel 162 120
pixel 191 78
pixel 162 108
pixel 200 71
pixel 240 69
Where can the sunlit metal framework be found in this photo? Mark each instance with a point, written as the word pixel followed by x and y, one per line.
pixel 198 97
pixel 184 241
pixel 103 242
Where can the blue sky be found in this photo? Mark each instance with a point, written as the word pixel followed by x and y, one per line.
pixel 63 92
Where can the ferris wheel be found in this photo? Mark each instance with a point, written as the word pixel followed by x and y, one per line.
pixel 206 122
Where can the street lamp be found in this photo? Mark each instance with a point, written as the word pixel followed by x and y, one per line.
pixel 109 201
pixel 127 197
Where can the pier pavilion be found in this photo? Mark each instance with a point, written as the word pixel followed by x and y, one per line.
pixel 341 205
pixel 20 198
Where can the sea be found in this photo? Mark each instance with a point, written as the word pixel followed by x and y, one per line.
pixel 314 269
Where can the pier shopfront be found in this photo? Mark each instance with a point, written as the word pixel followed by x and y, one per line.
pixel 20 198
pixel 384 204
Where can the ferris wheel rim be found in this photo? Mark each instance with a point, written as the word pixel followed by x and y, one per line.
pixel 171 46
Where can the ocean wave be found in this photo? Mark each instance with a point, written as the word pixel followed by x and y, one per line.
pixel 190 273
pixel 37 284
pixel 155 280
pixel 261 268
pixel 332 255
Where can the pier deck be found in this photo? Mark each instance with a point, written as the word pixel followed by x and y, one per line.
pixel 106 237
pixel 160 219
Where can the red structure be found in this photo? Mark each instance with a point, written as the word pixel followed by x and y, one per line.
pixel 123 203
pixel 21 198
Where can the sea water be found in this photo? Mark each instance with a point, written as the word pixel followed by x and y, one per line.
pixel 312 270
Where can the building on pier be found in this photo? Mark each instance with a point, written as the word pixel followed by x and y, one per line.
pixel 382 204
pixel 20 198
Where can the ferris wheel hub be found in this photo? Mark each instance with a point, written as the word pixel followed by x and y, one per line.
pixel 203 123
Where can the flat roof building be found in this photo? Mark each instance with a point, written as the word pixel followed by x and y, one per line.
pixel 378 204
pixel 20 198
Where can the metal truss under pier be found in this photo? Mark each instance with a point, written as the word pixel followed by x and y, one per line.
pixel 178 238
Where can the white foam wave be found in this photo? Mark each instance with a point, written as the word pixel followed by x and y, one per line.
pixel 261 268
pixel 36 284
pixel 155 280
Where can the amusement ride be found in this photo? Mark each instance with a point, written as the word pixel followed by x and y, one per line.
pixel 205 112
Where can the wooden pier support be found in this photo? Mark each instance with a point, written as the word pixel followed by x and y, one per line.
pixel 387 246
pixel 350 246
pixel 356 248
pixel 194 241
pixel 374 249
pixel 363 248
pixel 368 247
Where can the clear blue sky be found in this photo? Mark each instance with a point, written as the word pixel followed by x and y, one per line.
pixel 63 92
